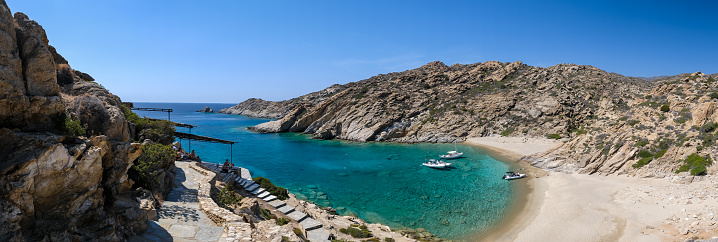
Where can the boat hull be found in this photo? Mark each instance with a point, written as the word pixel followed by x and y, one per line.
pixel 518 176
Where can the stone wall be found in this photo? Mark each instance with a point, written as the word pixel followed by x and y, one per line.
pixel 233 224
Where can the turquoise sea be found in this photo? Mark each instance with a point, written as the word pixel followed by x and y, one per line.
pixel 378 182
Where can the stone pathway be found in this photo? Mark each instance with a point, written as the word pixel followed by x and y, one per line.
pixel 180 218
pixel 313 228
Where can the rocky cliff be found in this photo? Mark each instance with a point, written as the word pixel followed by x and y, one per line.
pixel 56 185
pixel 439 103
pixel 653 137
pixel 605 118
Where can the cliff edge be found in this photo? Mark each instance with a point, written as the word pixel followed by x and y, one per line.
pixel 64 147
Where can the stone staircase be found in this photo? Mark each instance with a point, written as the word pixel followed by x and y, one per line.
pixel 314 230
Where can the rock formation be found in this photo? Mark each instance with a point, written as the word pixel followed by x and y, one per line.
pixel 29 98
pixel 439 103
pixel 606 119
pixel 666 136
pixel 206 109
pixel 55 186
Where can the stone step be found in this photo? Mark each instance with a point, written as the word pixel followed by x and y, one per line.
pixel 252 187
pixel 258 191
pixel 298 216
pixel 285 209
pixel 263 194
pixel 317 235
pixel 310 224
pixel 248 184
pixel 277 203
pixel 269 198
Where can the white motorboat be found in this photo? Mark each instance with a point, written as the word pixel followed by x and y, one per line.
pixel 436 163
pixel 512 175
pixel 452 154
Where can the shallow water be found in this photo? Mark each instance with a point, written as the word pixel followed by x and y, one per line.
pixel 379 182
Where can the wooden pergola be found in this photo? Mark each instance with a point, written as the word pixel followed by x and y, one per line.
pixel 195 137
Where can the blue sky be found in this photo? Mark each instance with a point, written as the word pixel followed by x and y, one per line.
pixel 228 51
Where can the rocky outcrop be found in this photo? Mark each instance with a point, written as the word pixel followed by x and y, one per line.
pixel 57 186
pixel 54 188
pixel 96 107
pixel 613 143
pixel 255 107
pixel 29 97
pixel 38 64
pixel 439 103
pixel 206 110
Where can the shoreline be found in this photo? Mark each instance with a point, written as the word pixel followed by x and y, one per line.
pixel 581 207
pixel 528 190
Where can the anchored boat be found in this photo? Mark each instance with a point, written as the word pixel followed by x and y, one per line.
pixel 452 154
pixel 512 175
pixel 436 163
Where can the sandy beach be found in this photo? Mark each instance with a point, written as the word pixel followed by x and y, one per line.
pixel 577 207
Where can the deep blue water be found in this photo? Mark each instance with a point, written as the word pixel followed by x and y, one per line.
pixel 379 182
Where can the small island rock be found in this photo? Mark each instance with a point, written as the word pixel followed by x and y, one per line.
pixel 206 110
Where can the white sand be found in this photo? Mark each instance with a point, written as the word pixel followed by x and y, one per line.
pixel 518 145
pixel 577 207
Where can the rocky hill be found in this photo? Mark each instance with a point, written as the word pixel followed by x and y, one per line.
pixel 58 184
pixel 439 103
pixel 605 118
pixel 654 137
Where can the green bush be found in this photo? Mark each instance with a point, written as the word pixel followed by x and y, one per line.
pixel 633 122
pixel 152 159
pixel 507 132
pixel 708 127
pixel 642 143
pixel 660 153
pixel 696 164
pixel 228 198
pixel 642 162
pixel 282 221
pixel 644 154
pixel 298 232
pixel 357 233
pixel 553 136
pixel 388 239
pixel 73 126
pixel 266 214
pixel 266 184
pixel 684 168
pixel 580 131
pixel 161 131
pixel 665 108
pixel 713 95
